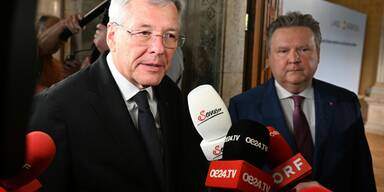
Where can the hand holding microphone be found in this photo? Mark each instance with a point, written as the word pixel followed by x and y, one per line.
pixel 49 40
pixel 40 151
pixel 311 186
pixel 92 14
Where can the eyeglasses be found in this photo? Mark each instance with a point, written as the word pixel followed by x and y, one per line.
pixel 170 40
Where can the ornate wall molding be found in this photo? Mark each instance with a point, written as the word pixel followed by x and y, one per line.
pixel 203 51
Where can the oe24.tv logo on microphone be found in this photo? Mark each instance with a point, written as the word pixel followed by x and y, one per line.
pixel 205 116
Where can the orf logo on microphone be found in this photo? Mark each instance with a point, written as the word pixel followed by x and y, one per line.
pixel 205 116
pixel 293 169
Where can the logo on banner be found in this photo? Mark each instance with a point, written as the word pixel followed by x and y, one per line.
pixel 346 25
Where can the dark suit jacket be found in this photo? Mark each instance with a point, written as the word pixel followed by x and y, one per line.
pixel 98 146
pixel 342 160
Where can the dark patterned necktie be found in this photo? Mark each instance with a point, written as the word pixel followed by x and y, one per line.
pixel 301 130
pixel 148 130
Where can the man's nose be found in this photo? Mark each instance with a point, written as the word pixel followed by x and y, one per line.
pixel 157 44
pixel 294 56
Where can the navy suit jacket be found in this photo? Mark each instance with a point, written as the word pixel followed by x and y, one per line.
pixel 342 160
pixel 98 146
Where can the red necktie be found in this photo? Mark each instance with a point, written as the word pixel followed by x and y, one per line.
pixel 301 130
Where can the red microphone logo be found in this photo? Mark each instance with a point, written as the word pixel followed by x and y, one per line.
pixel 202 116
pixel 205 116
pixel 217 150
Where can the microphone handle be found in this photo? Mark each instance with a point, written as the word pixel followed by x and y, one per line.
pixel 86 19
pixel 65 34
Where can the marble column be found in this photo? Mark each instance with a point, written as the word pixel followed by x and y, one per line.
pixel 49 7
pixel 203 51
pixel 375 101
pixel 233 58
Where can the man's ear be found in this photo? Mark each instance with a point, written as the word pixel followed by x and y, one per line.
pixel 267 54
pixel 111 36
pixel 318 55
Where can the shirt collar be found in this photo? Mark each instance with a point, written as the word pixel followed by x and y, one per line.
pixel 127 89
pixel 282 93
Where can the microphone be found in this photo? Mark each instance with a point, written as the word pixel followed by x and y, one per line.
pixel 88 17
pixel 213 150
pixel 40 151
pixel 291 172
pixel 279 150
pixel 244 153
pixel 287 168
pixel 211 119
pixel 247 140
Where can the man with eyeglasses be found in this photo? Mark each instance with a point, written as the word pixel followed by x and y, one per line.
pixel 101 117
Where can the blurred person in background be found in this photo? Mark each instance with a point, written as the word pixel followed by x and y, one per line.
pixel 48 29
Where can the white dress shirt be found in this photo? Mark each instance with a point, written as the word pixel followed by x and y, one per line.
pixel 128 90
pixel 308 106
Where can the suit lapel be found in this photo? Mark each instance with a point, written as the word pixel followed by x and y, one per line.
pixel 106 100
pixel 273 113
pixel 324 110
pixel 108 103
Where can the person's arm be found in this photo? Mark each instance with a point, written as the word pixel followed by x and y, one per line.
pixel 49 41
pixel 100 40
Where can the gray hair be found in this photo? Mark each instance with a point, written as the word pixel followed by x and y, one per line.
pixel 296 19
pixel 116 14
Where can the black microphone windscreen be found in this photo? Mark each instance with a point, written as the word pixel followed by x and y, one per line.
pixel 247 140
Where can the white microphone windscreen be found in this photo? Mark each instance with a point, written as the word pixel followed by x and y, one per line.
pixel 209 114
pixel 213 150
